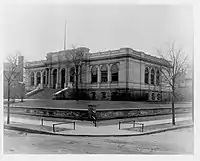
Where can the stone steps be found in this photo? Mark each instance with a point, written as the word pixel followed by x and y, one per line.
pixel 47 93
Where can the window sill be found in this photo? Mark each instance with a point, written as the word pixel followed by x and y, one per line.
pixel 114 82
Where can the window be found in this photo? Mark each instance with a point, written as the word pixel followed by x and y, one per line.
pixel 146 77
pixel 157 77
pixel 152 76
pixel 94 74
pixel 114 73
pixel 104 73
pixel 72 75
pixel 32 79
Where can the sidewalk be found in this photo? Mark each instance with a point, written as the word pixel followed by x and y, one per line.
pixel 88 129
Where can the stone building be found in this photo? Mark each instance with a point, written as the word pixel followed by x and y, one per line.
pixel 108 75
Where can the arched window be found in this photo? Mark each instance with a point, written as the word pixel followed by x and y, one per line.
pixel 32 79
pixel 157 77
pixel 94 74
pixel 104 73
pixel 152 76
pixel 38 75
pixel 146 76
pixel 72 74
pixel 63 78
pixel 114 73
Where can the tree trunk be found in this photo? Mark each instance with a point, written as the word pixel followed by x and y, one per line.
pixel 173 109
pixel 77 90
pixel 8 111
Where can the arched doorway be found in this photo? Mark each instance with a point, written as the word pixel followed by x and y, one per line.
pixel 54 78
pixel 72 75
pixel 38 75
pixel 63 78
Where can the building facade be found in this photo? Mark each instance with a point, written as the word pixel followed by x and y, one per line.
pixel 108 75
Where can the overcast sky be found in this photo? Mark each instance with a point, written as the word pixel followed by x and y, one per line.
pixel 35 30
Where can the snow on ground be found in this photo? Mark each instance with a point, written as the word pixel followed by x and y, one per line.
pixel 172 142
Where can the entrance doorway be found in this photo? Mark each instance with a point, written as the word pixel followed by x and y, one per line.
pixel 63 78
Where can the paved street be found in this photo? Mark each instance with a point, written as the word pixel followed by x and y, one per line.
pixel 171 142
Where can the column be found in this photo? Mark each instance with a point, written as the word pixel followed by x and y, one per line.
pixel 109 74
pixel 89 68
pixel 149 75
pixel 41 79
pixel 109 78
pixel 88 75
pixel 57 79
pixel 49 78
pixel 35 78
pixel 66 77
pixel 155 77
pixel 46 78
pixel 98 75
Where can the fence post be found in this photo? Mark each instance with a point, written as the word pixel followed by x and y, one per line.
pixel 74 125
pixel 119 125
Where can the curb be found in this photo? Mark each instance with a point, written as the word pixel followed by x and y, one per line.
pixel 9 127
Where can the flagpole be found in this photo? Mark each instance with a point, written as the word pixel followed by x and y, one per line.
pixel 65 36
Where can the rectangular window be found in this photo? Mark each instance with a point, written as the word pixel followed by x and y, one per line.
pixel 104 77
pixel 94 78
pixel 114 77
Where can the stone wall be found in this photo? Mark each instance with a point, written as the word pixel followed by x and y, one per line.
pixel 76 114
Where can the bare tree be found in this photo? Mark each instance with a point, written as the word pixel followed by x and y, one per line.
pixel 76 58
pixel 175 66
pixel 12 73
